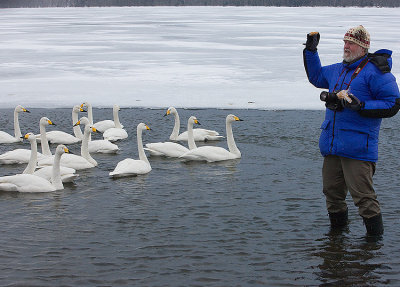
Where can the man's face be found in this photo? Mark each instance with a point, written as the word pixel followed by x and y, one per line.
pixel 352 51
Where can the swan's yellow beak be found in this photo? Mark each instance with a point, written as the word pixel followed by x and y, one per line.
pixel 167 113
pixel 148 128
pixel 66 150
pixel 81 109
pixel 94 130
pixel 25 137
pixel 25 110
pixel 82 105
pixel 196 121
pixel 237 119
pixel 77 123
pixel 51 123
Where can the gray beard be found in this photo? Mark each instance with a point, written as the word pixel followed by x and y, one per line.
pixel 353 57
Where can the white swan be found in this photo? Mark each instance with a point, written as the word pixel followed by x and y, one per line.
pixel 213 153
pixel 98 146
pixel 172 149
pixel 102 126
pixel 198 134
pixel 131 167
pixel 60 137
pixel 67 174
pixel 19 156
pixel 7 138
pixel 33 183
pixel 75 161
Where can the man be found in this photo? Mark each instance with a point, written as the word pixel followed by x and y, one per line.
pixel 362 91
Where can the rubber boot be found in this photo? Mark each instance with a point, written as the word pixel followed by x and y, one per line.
pixel 374 225
pixel 338 219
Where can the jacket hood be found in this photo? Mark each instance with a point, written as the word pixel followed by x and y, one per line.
pixel 382 59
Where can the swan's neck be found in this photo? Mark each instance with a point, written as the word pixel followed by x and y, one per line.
pixel 30 168
pixel 116 119
pixel 142 154
pixel 17 130
pixel 77 129
pixel 230 140
pixel 85 147
pixel 90 113
pixel 191 143
pixel 55 173
pixel 43 141
pixel 175 131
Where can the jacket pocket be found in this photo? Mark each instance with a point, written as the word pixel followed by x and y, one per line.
pixel 352 143
pixel 324 142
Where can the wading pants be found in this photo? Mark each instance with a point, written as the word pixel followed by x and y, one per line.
pixel 342 174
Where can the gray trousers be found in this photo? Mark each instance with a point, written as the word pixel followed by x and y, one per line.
pixel 342 174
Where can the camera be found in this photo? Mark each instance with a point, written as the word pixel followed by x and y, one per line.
pixel 328 97
pixel 331 100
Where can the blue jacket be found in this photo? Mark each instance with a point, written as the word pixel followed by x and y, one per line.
pixel 349 133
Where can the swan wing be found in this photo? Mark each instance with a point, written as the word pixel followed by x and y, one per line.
pixel 130 167
pixel 200 135
pixel 7 138
pixel 25 183
pixel 17 156
pixel 115 134
pixel 60 137
pixel 209 153
pixel 67 174
pixel 102 126
pixel 102 146
pixel 69 160
pixel 169 149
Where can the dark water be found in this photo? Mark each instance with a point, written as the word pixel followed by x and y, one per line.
pixel 257 221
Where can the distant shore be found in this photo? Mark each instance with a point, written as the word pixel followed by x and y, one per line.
pixel 119 3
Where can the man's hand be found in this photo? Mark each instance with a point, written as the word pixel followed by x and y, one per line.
pixel 355 103
pixel 312 41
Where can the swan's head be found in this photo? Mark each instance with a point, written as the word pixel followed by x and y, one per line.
pixel 116 107
pixel 143 127
pixel 82 121
pixel 232 118
pixel 30 137
pixel 77 109
pixel 171 110
pixel 193 120
pixel 86 104
pixel 46 122
pixel 61 149
pixel 20 109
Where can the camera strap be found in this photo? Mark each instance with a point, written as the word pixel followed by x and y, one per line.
pixel 356 72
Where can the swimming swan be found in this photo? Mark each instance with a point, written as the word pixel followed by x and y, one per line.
pixel 33 183
pixel 67 174
pixel 104 125
pixel 131 167
pixel 7 138
pixel 75 161
pixel 20 155
pixel 60 137
pixel 116 133
pixel 172 149
pixel 198 134
pixel 213 153
pixel 98 146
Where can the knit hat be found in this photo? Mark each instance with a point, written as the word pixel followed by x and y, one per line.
pixel 358 35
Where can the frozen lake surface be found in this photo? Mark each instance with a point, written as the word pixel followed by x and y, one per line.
pixel 209 57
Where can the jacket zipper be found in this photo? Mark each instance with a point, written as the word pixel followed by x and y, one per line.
pixel 334 115
pixel 333 131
